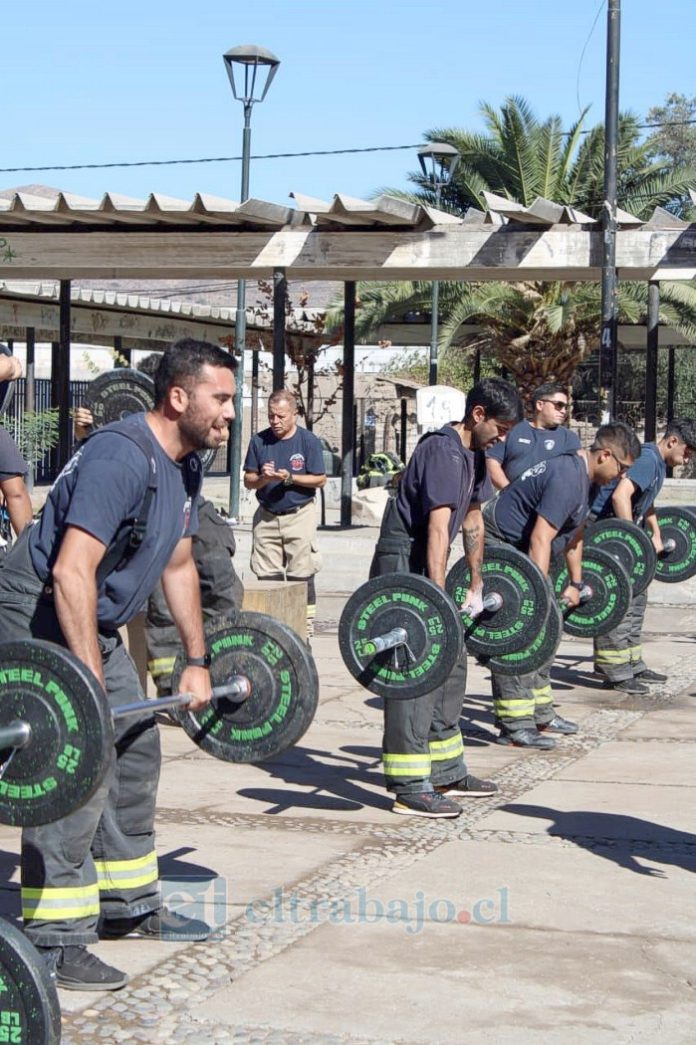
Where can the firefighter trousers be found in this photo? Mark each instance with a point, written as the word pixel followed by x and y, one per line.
pixel 618 655
pixel 100 859
pixel 422 746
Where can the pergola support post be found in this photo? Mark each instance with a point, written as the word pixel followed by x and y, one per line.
pixel 280 298
pixel 651 360
pixel 348 406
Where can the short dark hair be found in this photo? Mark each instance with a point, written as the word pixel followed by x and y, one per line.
pixel 684 428
pixel 551 388
pixel 619 435
pixel 499 399
pixel 182 363
pixel 283 395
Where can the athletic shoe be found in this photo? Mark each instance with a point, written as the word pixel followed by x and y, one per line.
pixel 557 724
pixel 426 803
pixel 650 676
pixel 162 924
pixel 627 686
pixel 469 785
pixel 77 969
pixel 526 738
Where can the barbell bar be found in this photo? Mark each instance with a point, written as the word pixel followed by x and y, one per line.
pixel 18 734
pixel 58 730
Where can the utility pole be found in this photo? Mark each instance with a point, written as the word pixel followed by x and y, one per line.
pixel 608 344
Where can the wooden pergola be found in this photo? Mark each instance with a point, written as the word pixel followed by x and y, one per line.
pixel 346 240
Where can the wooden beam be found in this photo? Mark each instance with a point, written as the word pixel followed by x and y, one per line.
pixel 472 252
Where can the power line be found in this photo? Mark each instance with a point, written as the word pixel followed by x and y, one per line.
pixel 273 155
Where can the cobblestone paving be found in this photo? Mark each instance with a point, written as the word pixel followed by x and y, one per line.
pixel 154 1007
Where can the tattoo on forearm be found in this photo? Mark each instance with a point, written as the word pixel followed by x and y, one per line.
pixel 472 537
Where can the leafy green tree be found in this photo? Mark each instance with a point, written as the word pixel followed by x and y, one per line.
pixel 675 139
pixel 538 331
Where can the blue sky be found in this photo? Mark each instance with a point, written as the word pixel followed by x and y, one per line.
pixel 91 83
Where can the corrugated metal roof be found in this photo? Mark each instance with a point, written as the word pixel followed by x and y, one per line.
pixel 24 210
pixel 300 320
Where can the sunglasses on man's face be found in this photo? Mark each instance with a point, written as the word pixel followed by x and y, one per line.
pixel 557 404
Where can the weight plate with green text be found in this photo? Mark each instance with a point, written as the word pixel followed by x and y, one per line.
pixel 72 736
pixel 430 620
pixel 117 394
pixel 29 1006
pixel 678 525
pixel 284 689
pixel 611 593
pixel 629 544
pixel 541 650
pixel 525 597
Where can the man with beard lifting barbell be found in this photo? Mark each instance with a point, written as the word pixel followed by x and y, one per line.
pixel 119 518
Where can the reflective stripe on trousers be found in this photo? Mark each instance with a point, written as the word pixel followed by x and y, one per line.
pixel 619 654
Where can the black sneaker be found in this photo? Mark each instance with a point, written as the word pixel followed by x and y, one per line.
pixel 557 724
pixel 650 676
pixel 469 785
pixel 77 969
pixel 426 803
pixel 162 924
pixel 526 738
pixel 627 686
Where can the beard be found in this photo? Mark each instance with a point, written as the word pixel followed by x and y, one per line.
pixel 199 432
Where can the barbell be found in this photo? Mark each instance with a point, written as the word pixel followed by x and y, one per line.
pixel 57 730
pixel 400 635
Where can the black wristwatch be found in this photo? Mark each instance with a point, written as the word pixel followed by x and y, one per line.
pixel 578 585
pixel 287 481
pixel 198 662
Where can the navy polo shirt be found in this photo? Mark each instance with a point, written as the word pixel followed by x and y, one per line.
pixel 526 445
pixel 301 454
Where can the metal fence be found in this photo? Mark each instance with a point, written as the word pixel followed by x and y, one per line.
pixel 46 469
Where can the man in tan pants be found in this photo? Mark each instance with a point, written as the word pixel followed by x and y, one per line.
pixel 285 465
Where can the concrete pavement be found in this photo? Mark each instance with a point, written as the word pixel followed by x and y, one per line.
pixel 561 910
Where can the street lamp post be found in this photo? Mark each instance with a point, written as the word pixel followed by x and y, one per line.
pixel 438 162
pixel 250 70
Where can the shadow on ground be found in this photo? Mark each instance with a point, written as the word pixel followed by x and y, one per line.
pixel 616 837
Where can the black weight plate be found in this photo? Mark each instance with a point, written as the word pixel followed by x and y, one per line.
pixel 611 593
pixel 525 595
pixel 6 387
pixel 284 689
pixel 679 525
pixel 29 1007
pixel 72 735
pixel 540 651
pixel 430 619
pixel 118 393
pixel 629 544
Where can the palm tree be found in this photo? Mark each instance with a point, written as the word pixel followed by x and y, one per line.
pixel 538 331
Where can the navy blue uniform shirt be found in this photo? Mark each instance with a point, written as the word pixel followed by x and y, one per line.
pixel 647 474
pixel 558 490
pixel 527 445
pixel 102 487
pixel 442 473
pixel 301 454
